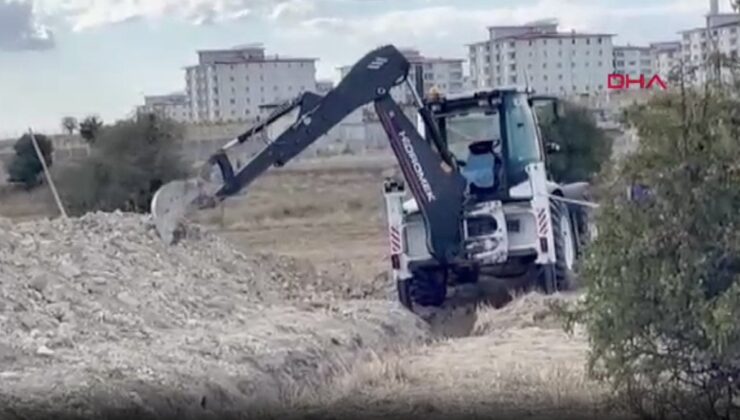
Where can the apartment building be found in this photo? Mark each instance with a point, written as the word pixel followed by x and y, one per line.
pixel 324 86
pixel 544 58
pixel 230 85
pixel 720 35
pixel 666 58
pixel 174 106
pixel 633 60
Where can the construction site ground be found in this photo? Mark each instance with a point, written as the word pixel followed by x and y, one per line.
pixel 278 302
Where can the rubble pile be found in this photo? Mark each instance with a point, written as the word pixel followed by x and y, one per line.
pixel 97 310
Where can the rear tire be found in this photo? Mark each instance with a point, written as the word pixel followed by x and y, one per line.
pixel 558 277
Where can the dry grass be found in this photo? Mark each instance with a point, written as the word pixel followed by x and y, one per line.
pixel 520 364
pixel 15 203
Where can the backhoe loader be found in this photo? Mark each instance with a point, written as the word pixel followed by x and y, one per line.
pixel 474 204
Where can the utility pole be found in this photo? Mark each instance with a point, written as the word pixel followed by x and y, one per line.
pixel 40 155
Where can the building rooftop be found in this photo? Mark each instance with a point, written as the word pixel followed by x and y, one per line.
pixel 665 45
pixel 631 47
pixel 554 35
pixel 718 26
pixel 535 24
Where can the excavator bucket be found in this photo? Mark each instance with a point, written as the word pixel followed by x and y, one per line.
pixel 171 204
pixel 227 172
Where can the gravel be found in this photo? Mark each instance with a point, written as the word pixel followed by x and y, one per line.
pixel 99 316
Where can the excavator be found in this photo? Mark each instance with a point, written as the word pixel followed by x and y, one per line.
pixel 482 207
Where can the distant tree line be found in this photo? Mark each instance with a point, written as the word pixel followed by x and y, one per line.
pixel 127 162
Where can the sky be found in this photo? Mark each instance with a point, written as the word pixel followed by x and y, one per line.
pixel 81 57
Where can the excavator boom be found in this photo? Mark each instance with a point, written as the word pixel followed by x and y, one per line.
pixel 433 180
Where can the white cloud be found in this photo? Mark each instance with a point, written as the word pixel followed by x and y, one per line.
pixel 293 9
pixel 20 29
pixel 84 14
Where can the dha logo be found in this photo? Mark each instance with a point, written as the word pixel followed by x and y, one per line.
pixel 622 82
pixel 417 166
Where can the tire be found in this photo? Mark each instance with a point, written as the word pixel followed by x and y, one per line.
pixel 426 298
pixel 558 277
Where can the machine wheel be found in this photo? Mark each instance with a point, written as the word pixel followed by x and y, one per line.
pixel 427 298
pixel 553 278
pixel 428 289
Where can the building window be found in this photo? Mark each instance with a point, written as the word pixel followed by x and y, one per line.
pixel 588 41
pixel 600 40
pixel 513 79
pixel 233 101
pixel 544 65
pixel 511 44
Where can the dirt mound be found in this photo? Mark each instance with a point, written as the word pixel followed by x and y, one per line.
pixel 527 311
pixel 96 312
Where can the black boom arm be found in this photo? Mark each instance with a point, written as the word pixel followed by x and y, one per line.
pixel 437 187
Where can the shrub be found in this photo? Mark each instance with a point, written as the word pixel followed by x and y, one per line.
pixel 584 147
pixel 128 163
pixel 25 167
pixel 662 279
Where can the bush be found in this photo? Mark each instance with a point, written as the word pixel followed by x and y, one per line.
pixel 89 128
pixel 584 147
pixel 25 167
pixel 128 163
pixel 662 279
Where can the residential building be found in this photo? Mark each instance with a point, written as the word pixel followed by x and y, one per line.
pixel 720 35
pixel 235 84
pixel 633 60
pixel 324 86
pixel 479 60
pixel 666 58
pixel 542 57
pixel 174 106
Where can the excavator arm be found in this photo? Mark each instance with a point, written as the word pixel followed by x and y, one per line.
pixel 433 179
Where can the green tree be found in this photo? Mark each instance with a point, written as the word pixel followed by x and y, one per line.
pixel 90 127
pixel 584 147
pixel 25 165
pixel 662 278
pixel 131 160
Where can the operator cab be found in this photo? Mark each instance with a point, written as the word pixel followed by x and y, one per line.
pixel 492 135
